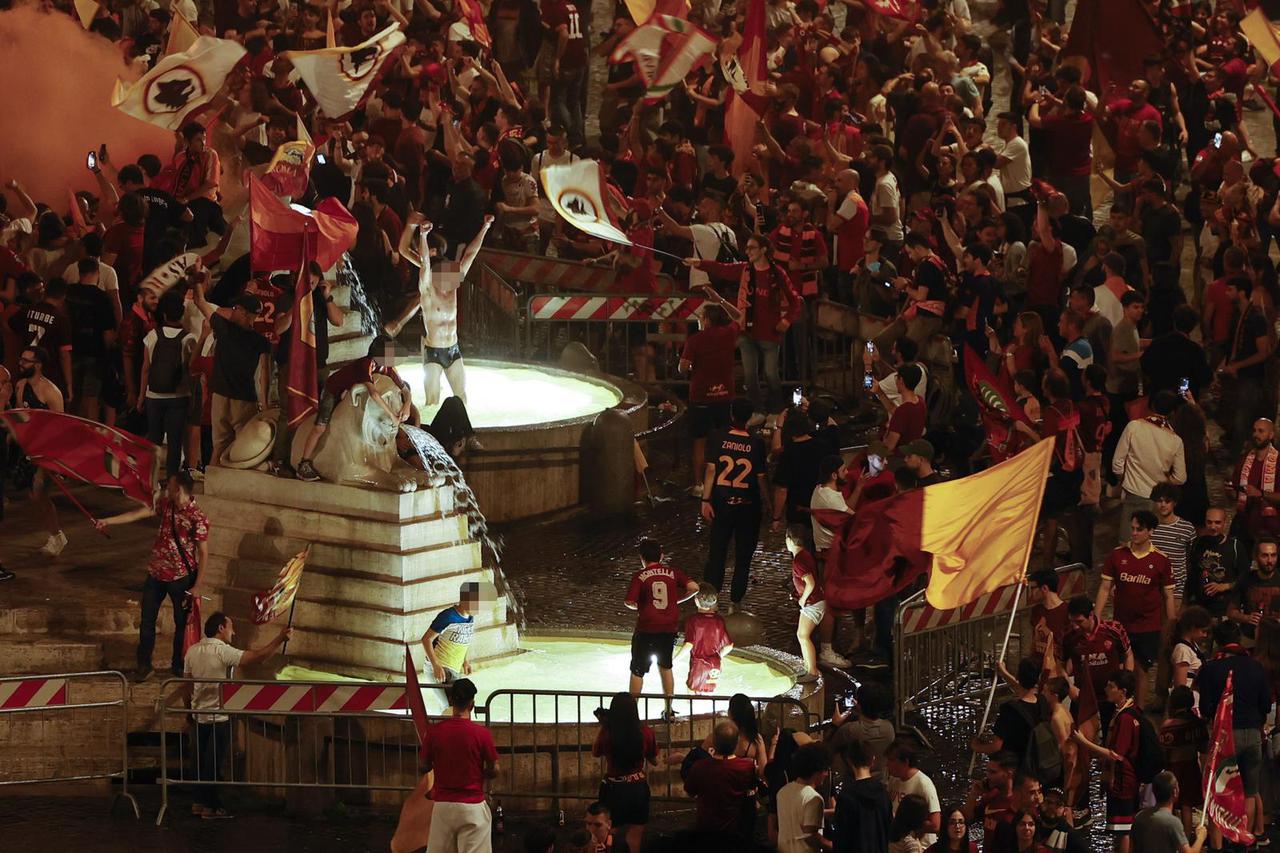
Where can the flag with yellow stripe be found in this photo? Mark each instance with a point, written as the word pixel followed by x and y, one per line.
pixel 277 600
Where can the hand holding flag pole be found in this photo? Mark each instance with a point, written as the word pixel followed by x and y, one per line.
pixel 57 481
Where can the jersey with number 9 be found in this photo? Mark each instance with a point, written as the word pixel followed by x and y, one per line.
pixel 656 591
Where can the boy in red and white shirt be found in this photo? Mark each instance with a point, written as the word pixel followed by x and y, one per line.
pixel 706 639
pixel 656 592
pixel 1142 578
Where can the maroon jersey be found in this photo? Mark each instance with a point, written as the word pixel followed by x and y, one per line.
pixel 656 591
pixel 1044 622
pixel 275 301
pixel 48 327
pixel 804 564
pixel 1099 653
pixel 1139 588
pixel 707 634
pixel 710 352
pixel 559 13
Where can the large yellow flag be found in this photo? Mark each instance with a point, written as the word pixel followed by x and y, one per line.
pixel 980 529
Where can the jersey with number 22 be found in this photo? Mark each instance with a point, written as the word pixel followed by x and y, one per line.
pixel 739 462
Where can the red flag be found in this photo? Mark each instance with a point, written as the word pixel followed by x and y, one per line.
pixel 275 601
pixel 473 17
pixel 282 237
pixel 417 709
pixel 301 391
pixel 902 10
pixel 747 70
pixel 1113 37
pixel 195 625
pixel 999 407
pixel 876 551
pixel 1224 789
pixel 86 451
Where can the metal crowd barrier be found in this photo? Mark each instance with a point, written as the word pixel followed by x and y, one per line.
pixel 49 723
pixel 949 656
pixel 288 734
pixel 544 740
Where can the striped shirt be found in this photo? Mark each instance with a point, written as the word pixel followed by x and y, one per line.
pixel 1174 541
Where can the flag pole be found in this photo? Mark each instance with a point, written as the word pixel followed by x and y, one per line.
pixel 293 606
pixel 658 252
pixel 58 482
pixel 995 676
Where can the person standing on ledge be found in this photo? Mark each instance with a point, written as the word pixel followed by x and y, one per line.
pixel 656 592
pixel 448 639
pixel 178 559
pixel 438 299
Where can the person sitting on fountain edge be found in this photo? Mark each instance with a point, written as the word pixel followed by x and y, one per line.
pixel 448 639
pixel 361 371
pixel 656 592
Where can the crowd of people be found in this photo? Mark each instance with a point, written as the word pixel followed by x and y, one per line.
pixel 943 185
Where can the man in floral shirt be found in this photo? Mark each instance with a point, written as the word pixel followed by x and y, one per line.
pixel 178 557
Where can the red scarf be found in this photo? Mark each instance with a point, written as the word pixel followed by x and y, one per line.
pixel 1269 456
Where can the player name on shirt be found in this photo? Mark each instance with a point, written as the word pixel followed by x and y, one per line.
pixel 739 446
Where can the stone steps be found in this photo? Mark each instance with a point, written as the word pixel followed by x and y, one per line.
pixel 78 621
pixel 321 497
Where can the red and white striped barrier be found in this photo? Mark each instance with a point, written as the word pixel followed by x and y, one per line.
pixel 925 618
pixel 33 693
pixel 547 272
pixel 624 309
pixel 290 698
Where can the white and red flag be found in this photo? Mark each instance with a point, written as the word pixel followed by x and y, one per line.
pixel 339 78
pixel 747 70
pixel 665 50
pixel 1224 800
pixel 180 83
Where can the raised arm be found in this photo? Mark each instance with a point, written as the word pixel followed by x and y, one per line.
pixel 472 251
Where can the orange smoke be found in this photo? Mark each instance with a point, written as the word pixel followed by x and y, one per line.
pixel 56 99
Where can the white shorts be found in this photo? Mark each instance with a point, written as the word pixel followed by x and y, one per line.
pixel 460 828
pixel 814 612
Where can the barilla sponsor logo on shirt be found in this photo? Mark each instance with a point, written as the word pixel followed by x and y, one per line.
pixel 1145 580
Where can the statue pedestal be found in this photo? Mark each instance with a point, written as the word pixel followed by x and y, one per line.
pixel 382 565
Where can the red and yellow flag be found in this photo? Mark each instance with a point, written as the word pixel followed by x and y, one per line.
pixel 277 600
pixel 1224 800
pixel 972 536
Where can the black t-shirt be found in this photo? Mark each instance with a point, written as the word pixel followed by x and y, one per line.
pixel 1215 561
pixel 725 186
pixel 464 209
pixel 929 274
pixel 1160 227
pixel 1258 595
pixel 235 359
pixel 798 474
pixel 91 316
pixel 1255 326
pixel 1015 721
pixel 1169 358
pixel 163 212
pixel 739 461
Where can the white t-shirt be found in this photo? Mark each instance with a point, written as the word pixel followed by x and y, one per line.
pixel 887 197
pixel 209 658
pixel 997 186
pixel 825 497
pixel 706 245
pixel 188 344
pixel 889 385
pixel 799 805
pixel 1015 176
pixel 107 278
pixel 918 784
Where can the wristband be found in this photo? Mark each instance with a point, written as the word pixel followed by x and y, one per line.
pixel 706 501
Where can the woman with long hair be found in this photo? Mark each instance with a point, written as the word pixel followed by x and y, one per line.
pixel 626 744
pixel 910 825
pixel 750 743
pixel 1024 832
pixel 955 833
pixel 1023 350
pixel 1183 650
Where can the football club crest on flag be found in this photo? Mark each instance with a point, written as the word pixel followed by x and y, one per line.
pixel 180 82
pixel 339 77
pixel 577 192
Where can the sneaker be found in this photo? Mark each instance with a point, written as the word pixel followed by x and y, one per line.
pixel 756 420
pixel 473 443
pixel 807 678
pixel 141 674
pixel 668 716
pixel 695 491
pixel 306 471
pixel 6 575
pixel 54 545
pixel 197 474
pixel 834 659
pixel 199 810
pixel 283 470
pixel 870 660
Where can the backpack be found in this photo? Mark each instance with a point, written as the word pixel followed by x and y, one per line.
pixel 1150 759
pixel 727 253
pixel 167 370
pixel 1043 758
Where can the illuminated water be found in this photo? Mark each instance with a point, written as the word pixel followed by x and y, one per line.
pixel 515 396
pixel 596 665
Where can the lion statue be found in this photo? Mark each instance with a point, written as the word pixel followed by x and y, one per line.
pixel 359 448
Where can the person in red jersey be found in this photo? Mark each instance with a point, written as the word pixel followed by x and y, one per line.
pixel 1121 752
pixel 706 640
pixel 1050 621
pixel 708 359
pixel 1142 579
pixel 1093 650
pixel 462 755
pixel 723 784
pixel 656 592
pixel 814 613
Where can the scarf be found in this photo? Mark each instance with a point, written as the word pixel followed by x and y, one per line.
pixel 1269 456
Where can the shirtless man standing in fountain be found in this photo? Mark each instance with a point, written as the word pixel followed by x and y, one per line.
pixel 438 298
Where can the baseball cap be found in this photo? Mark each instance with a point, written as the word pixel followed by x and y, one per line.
pixel 919 447
pixel 878 448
